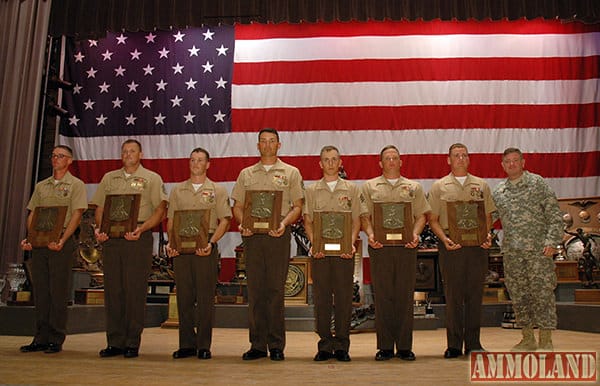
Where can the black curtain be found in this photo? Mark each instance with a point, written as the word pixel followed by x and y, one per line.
pixel 92 18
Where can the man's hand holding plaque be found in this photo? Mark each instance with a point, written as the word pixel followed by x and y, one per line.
pixel 190 231
pixel 332 234
pixel 46 226
pixel 120 214
pixel 262 211
pixel 467 223
pixel 393 223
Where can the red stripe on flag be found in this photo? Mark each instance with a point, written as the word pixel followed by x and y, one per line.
pixel 374 70
pixel 389 28
pixel 417 117
pixel 361 167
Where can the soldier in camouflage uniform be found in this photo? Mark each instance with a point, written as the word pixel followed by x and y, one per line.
pixel 532 226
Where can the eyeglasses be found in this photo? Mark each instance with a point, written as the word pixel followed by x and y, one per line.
pixel 59 156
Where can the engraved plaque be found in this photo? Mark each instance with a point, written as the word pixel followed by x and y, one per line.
pixel 466 222
pixel 393 222
pixel 120 214
pixel 332 233
pixel 47 225
pixel 262 210
pixel 190 230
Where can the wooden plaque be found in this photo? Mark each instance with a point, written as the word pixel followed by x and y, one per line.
pixel 262 210
pixel 466 222
pixel 393 222
pixel 190 230
pixel 120 214
pixel 47 225
pixel 332 233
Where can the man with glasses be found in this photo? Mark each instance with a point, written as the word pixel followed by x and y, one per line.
pixel 51 266
pixel 393 267
pixel 128 261
pixel 267 254
pixel 463 268
pixel 532 226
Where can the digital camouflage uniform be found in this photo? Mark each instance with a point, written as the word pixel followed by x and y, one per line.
pixel 531 220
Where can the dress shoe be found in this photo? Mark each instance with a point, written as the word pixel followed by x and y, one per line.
pixel 184 353
pixel 33 347
pixel 323 356
pixel 130 352
pixel 53 348
pixel 110 351
pixel 253 354
pixel 204 354
pixel 384 355
pixel 277 355
pixel 406 355
pixel 342 355
pixel 452 353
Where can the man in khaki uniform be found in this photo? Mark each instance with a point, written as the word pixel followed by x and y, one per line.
pixel 332 275
pixel 51 266
pixel 196 274
pixel 393 267
pixel 463 267
pixel 128 261
pixel 267 255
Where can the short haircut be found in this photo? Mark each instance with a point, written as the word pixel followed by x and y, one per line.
pixel 328 148
pixel 386 148
pixel 268 130
pixel 511 150
pixel 457 145
pixel 66 148
pixel 131 140
pixel 201 150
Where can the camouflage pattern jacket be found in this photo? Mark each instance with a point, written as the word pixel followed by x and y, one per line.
pixel 529 214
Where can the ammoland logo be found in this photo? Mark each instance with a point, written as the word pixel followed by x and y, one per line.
pixel 533 366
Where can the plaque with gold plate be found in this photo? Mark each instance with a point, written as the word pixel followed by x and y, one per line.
pixel 120 214
pixel 190 230
pixel 262 210
pixel 467 223
pixel 332 232
pixel 393 222
pixel 47 225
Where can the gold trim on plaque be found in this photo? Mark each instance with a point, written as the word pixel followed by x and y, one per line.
pixel 393 222
pixel 47 225
pixel 467 223
pixel 332 232
pixel 120 214
pixel 190 230
pixel 262 210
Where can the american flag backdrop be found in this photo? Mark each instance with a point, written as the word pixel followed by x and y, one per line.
pixel 357 85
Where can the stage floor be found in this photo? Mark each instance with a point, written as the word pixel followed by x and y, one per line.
pixel 79 363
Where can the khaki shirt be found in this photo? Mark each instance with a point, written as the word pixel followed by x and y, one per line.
pixel 449 188
pixel 210 196
pixel 69 192
pixel 345 197
pixel 143 181
pixel 379 189
pixel 281 176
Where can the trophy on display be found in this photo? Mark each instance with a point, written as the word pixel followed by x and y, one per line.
pixel 392 222
pixel 332 233
pixel 190 230
pixel 262 210
pixel 467 223
pixel 120 214
pixel 46 225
